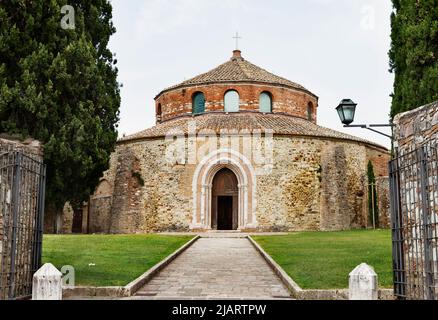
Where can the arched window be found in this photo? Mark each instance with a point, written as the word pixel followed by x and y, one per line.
pixel 231 101
pixel 265 102
pixel 310 111
pixel 198 103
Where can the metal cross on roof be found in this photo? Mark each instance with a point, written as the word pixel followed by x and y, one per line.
pixel 237 40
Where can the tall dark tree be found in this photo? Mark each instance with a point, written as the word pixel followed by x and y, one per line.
pixel 414 53
pixel 60 86
pixel 373 206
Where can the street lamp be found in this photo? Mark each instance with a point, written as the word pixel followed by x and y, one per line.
pixel 346 110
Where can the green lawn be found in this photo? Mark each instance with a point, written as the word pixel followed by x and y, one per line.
pixel 117 259
pixel 323 260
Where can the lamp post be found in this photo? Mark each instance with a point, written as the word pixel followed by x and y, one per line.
pixel 346 111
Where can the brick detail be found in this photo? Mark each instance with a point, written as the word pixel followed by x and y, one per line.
pixel 178 102
pixel 380 160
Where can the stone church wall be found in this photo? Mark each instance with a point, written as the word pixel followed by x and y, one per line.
pixel 383 202
pixel 314 184
pixel 100 210
pixel 343 186
pixel 67 219
pixel 288 197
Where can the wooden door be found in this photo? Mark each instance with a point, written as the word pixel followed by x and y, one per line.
pixel 224 215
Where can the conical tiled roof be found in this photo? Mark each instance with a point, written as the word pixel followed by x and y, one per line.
pixel 237 69
pixel 278 124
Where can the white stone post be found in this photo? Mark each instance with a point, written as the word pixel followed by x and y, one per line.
pixel 47 283
pixel 363 283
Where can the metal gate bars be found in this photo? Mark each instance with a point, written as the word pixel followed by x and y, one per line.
pixel 414 221
pixel 22 186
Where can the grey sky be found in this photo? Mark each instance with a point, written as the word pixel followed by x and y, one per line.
pixel 335 48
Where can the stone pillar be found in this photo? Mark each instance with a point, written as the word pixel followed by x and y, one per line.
pixel 47 283
pixel 363 283
pixel 66 219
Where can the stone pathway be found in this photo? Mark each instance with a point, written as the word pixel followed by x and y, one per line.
pixel 217 267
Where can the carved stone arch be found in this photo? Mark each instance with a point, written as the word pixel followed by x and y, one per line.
pixel 203 182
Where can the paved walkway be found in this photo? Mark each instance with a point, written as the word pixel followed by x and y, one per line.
pixel 217 267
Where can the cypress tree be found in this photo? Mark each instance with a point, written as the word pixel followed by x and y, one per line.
pixel 414 54
pixel 60 86
pixel 373 208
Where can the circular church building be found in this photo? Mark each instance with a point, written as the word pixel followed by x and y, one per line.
pixel 236 148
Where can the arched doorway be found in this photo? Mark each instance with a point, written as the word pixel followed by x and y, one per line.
pixel 224 206
pixel 202 190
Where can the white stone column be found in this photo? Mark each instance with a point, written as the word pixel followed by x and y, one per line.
pixel 363 283
pixel 241 219
pixel 208 189
pixel 203 207
pixel 244 188
pixel 47 283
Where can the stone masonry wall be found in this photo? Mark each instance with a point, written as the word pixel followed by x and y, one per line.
pixel 415 127
pixel 383 202
pixel 343 187
pixel 67 219
pixel 315 184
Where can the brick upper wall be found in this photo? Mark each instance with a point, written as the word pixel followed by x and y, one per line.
pixel 177 102
pixel 380 160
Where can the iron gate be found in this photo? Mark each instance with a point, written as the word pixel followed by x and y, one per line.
pixel 414 221
pixel 22 185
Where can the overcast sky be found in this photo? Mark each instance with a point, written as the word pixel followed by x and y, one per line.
pixel 335 48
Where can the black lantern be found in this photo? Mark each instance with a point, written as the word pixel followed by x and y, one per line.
pixel 346 110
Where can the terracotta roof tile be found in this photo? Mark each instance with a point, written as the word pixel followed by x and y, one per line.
pixel 215 122
pixel 237 70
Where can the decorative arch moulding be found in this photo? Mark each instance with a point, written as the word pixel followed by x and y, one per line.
pixel 202 189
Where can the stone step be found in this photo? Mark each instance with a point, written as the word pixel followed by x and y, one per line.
pixel 221 234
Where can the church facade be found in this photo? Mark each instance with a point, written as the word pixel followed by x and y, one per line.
pixel 236 148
